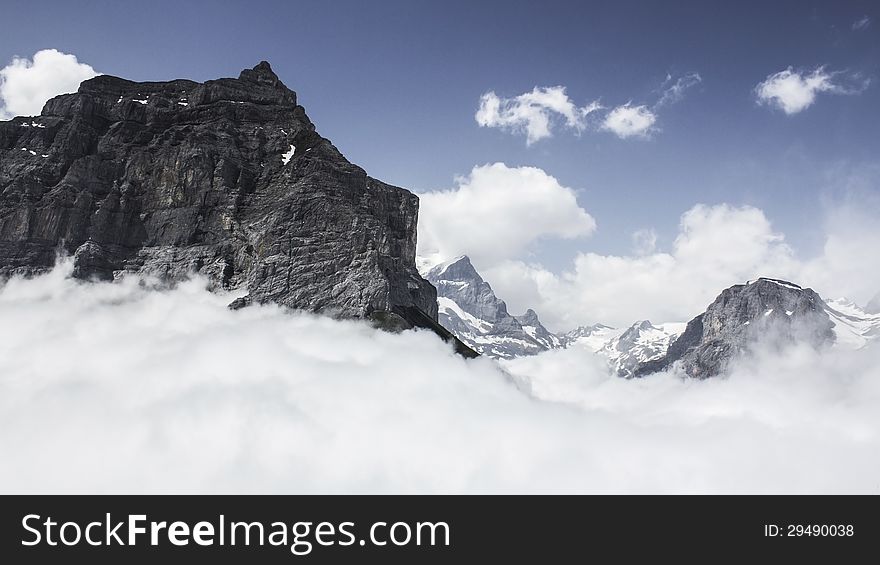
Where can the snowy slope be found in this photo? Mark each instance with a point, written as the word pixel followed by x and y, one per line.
pixel 853 327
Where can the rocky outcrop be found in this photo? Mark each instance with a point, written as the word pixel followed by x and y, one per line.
pixel 226 178
pixel 768 312
pixel 469 309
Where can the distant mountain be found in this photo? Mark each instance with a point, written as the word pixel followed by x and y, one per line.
pixel 640 343
pixel 854 327
pixel 593 337
pixel 873 307
pixel 769 312
pixel 470 310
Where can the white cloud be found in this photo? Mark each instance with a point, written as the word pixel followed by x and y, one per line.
pixel 673 91
pixel 111 387
pixel 793 91
pixel 496 213
pixel 26 85
pixel 534 113
pixel 630 121
pixel 716 247
pixel 861 24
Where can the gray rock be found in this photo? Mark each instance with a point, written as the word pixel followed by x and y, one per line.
pixel 873 306
pixel 226 178
pixel 769 312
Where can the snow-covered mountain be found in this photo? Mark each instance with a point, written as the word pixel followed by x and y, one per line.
pixel 640 342
pixel 853 327
pixel 469 309
pixel 593 337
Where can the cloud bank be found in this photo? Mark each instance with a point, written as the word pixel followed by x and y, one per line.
pixel 26 85
pixel 794 91
pixel 716 246
pixel 119 388
pixel 496 213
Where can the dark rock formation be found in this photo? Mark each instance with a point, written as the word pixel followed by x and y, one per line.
pixel 471 311
pixel 227 178
pixel 767 312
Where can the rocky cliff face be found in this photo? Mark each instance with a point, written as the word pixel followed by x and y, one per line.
pixel 768 312
pixel 471 311
pixel 227 178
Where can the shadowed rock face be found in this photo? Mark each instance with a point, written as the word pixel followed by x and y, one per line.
pixel 227 178
pixel 767 313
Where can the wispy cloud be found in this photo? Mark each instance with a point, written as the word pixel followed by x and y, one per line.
pixel 794 91
pixel 673 91
pixel 534 113
pixel 538 112
pixel 861 24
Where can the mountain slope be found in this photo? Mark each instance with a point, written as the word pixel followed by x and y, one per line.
pixel 227 178
pixel 854 328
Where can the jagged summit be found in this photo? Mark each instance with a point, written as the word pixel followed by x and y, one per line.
pixel 469 309
pixel 228 178
pixel 261 73
pixel 458 268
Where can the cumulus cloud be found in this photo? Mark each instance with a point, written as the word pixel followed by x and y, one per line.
pixel 673 91
pixel 861 24
pixel 716 246
pixel 794 91
pixel 114 387
pixel 630 121
pixel 496 213
pixel 534 113
pixel 26 85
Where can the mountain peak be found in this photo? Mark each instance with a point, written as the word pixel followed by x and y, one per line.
pixel 457 269
pixel 261 73
pixel 766 311
pixel 778 282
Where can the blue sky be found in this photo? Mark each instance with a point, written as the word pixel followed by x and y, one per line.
pixel 396 84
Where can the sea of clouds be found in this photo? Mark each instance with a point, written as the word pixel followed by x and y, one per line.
pixel 124 387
